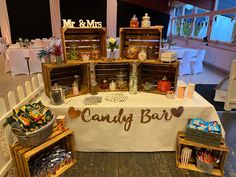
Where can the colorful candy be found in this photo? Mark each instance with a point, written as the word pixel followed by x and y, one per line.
pixel 30 117
pixel 207 126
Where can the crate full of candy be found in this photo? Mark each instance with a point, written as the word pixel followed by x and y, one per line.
pixel 205 132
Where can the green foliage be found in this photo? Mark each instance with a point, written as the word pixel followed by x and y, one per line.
pixel 44 53
pixel 187 29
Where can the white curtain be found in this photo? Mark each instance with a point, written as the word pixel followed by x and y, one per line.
pixel 4 22
pixel 55 17
pixel 111 17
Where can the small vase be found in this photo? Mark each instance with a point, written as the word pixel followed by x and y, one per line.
pixel 48 60
pixel 58 60
pixel 112 54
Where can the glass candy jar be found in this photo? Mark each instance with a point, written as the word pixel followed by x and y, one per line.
pixel 164 85
pixel 133 83
pixel 120 82
pixel 142 55
pixel 134 22
pixel 112 86
pixel 104 84
pixel 57 95
pixel 94 54
pixel 94 88
pixel 146 21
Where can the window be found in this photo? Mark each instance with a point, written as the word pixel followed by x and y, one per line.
pixel 200 27
pixel 224 28
pixel 195 22
pixel 176 27
pixel 188 9
pixel 178 11
pixel 187 27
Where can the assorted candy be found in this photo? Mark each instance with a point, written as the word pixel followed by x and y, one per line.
pixel 207 157
pixel 48 163
pixel 207 126
pixel 30 117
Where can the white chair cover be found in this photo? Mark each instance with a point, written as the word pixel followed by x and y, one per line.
pixel 18 63
pixel 184 66
pixel 34 62
pixel 196 63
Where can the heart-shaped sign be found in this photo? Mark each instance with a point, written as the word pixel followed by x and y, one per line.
pixel 177 112
pixel 73 113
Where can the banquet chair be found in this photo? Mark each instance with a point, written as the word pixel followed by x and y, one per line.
pixel 184 64
pixel 196 63
pixel 17 62
pixel 34 62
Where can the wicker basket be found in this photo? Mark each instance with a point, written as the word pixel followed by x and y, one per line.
pixel 35 138
pixel 206 167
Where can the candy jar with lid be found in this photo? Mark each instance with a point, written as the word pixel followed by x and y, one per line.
pixel 57 95
pixel 120 82
pixel 146 21
pixel 94 88
pixel 75 89
pixel 134 22
pixel 94 54
pixel 133 83
pixel 104 84
pixel 112 86
pixel 142 55
pixel 164 85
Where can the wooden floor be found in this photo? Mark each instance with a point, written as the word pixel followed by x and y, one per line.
pixel 150 164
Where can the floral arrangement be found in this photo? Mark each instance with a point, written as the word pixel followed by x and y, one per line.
pixel 57 50
pixel 44 53
pixel 112 44
pixel 24 42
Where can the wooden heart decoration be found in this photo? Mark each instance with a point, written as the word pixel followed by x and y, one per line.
pixel 73 113
pixel 177 112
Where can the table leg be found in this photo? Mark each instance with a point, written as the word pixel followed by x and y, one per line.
pixel 27 60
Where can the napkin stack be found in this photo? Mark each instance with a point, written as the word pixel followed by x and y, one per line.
pixel 168 56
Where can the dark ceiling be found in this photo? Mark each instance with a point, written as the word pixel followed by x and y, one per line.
pixel 165 5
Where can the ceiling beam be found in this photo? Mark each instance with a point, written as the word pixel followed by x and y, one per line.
pixel 158 5
pixel 204 4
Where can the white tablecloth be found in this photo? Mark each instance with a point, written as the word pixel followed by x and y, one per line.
pixel 15 47
pixel 180 51
pixel 144 122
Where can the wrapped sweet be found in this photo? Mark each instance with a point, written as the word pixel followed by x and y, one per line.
pixel 30 117
pixel 207 126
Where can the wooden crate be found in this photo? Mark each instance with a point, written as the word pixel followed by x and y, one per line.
pixel 83 39
pixel 110 70
pixel 63 75
pixel 22 155
pixel 153 71
pixel 222 150
pixel 142 38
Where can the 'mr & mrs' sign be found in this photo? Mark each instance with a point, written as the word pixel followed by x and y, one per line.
pixel 146 116
pixel 82 24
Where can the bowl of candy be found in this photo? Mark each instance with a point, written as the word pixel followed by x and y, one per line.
pixel 31 124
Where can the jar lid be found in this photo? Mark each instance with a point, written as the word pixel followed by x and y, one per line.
pixel 134 17
pixel 146 17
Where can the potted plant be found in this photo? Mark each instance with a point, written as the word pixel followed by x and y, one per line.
pixel 112 44
pixel 45 53
pixel 57 51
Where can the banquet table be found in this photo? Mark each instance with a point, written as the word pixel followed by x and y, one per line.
pixel 180 51
pixel 145 122
pixel 15 47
